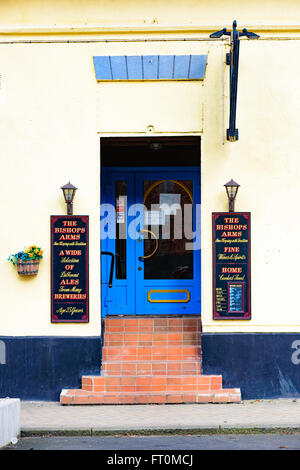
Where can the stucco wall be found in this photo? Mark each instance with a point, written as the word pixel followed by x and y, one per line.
pixel 124 13
pixel 53 114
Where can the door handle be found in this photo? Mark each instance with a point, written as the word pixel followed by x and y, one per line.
pixel 111 273
pixel 156 245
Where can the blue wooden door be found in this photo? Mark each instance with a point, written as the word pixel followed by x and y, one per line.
pixel 150 227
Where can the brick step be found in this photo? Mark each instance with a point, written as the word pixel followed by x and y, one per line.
pixel 131 339
pixel 154 324
pixel 151 360
pixel 150 384
pixel 83 397
pixel 150 353
pixel 151 368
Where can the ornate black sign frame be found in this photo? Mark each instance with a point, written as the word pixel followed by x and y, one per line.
pixel 69 269
pixel 231 265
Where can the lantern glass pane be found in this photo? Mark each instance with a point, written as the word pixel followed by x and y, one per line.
pixel 232 192
pixel 68 194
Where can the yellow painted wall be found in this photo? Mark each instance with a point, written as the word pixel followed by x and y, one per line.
pixel 48 137
pixel 53 114
pixel 265 162
pixel 144 12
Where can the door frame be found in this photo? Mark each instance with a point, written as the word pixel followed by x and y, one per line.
pixel 117 173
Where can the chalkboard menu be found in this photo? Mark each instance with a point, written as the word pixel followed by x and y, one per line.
pixel 69 269
pixel 231 266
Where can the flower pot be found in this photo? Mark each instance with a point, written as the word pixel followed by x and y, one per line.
pixel 28 267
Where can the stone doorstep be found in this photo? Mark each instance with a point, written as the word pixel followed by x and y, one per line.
pixel 150 353
pixel 151 360
pixel 150 390
pixel 156 368
pixel 83 397
pixel 150 383
pixel 152 325
pixel 165 338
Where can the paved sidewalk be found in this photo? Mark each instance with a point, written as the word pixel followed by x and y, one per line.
pixel 250 414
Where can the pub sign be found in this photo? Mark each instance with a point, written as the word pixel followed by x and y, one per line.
pixel 69 269
pixel 231 266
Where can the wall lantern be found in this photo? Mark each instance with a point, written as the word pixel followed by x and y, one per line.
pixel 69 192
pixel 231 190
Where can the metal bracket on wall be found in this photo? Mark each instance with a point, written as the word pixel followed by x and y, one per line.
pixel 232 59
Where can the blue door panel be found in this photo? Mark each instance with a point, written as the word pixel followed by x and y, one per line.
pixel 118 299
pixel 136 295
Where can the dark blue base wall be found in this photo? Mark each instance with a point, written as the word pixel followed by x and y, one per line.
pixel 38 368
pixel 262 365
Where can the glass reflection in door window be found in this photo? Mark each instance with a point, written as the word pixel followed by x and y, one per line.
pixel 165 201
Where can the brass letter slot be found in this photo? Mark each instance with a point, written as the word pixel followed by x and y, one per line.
pixel 188 296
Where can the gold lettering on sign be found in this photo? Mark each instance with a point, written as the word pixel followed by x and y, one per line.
pixel 234 277
pixel 68 274
pixel 70 310
pixel 69 244
pixel 235 240
pixel 69 260
pixel 231 257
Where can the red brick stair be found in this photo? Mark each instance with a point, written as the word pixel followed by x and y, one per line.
pixel 151 360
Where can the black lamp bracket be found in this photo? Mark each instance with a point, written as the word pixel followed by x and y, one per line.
pixel 232 59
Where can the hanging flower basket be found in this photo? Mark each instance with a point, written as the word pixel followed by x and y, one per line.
pixel 27 261
pixel 28 267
